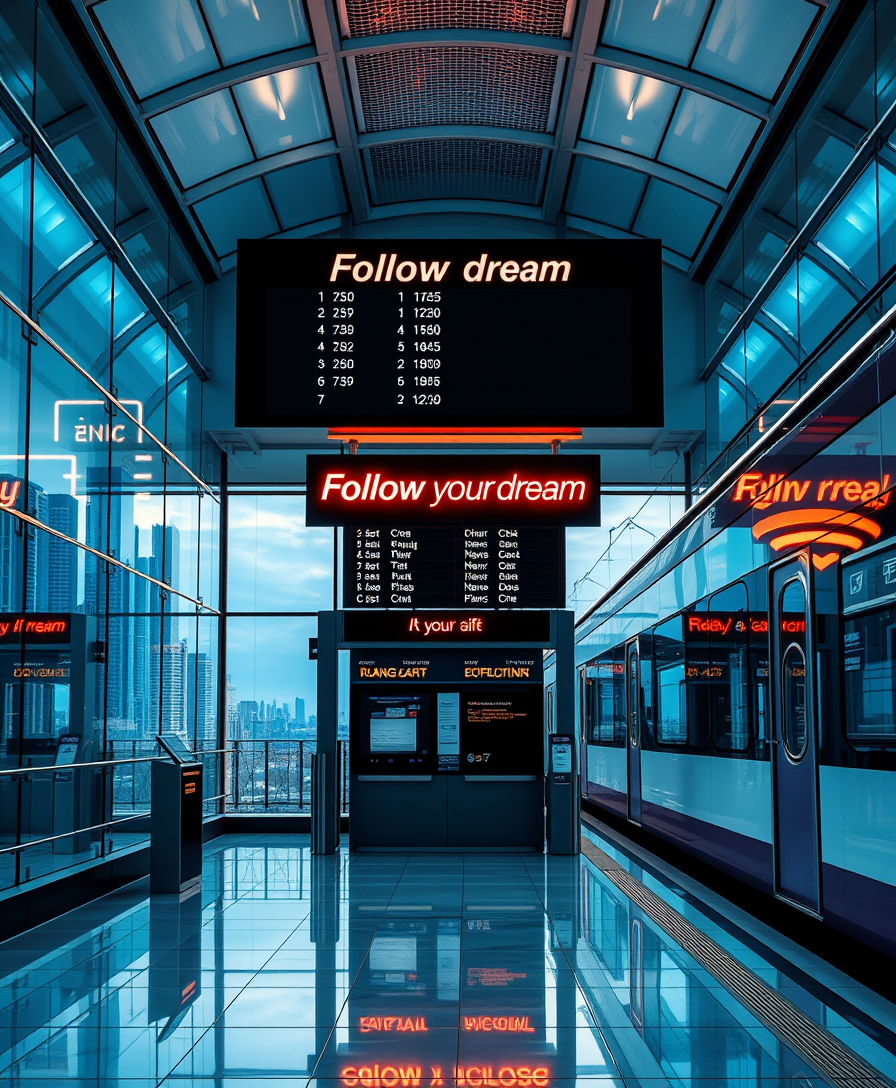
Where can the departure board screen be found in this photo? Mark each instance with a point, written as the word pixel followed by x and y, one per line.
pixel 447 566
pixel 449 333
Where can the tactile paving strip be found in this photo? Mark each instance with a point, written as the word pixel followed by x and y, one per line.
pixel 824 1052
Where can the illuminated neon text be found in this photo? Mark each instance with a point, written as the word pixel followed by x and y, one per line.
pixel 389 267
pixel 9 493
pixel 498 1023
pixel 513 489
pixel 763 491
pixel 392 1023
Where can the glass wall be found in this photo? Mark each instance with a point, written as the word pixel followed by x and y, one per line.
pixel 808 270
pixel 108 598
pixel 280 574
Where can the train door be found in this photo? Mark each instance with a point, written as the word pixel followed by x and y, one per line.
pixel 633 728
pixel 794 732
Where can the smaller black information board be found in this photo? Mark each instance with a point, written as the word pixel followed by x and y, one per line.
pixel 451 566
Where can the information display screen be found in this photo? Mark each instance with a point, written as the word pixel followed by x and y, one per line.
pixel 67 748
pixel 448 566
pixel 449 333
pixel 395 731
pixel 501 731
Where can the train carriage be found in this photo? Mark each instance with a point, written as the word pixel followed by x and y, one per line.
pixel 737 692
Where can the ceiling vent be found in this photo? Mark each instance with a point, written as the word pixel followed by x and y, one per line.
pixel 448 85
pixel 550 18
pixel 456 169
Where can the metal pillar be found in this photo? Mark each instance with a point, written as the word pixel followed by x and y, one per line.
pixel 325 773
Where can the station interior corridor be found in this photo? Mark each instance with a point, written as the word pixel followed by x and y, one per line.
pixel 383 970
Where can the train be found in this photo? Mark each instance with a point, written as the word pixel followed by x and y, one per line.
pixel 736 691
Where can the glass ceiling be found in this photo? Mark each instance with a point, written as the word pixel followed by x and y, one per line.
pixel 276 117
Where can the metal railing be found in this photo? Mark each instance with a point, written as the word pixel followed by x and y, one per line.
pixel 274 775
pixel 67 813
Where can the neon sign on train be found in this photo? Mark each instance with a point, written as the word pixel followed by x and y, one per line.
pixel 833 509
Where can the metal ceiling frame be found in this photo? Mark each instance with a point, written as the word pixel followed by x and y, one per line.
pixel 577 56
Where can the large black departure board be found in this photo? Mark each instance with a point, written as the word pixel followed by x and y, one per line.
pixel 449 333
pixel 447 566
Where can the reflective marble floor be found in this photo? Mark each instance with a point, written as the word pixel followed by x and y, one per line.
pixel 393 971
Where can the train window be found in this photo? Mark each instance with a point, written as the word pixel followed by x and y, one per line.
pixel 671 704
pixel 728 679
pixel 605 698
pixel 793 669
pixel 869 663
pixel 793 673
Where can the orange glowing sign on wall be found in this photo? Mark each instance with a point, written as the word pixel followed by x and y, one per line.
pixel 815 510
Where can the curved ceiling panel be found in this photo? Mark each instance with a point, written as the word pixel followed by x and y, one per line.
pixel 633 117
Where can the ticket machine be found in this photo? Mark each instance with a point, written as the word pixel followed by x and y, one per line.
pixel 447 730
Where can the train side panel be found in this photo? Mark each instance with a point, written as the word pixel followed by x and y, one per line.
pixel 858 851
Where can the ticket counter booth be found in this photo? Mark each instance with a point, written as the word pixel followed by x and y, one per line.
pixel 47 694
pixel 446 724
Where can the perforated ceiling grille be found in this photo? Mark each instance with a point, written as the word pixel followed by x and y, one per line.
pixel 366 17
pixel 454 169
pixel 460 86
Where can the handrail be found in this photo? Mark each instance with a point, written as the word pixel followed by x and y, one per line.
pixel 78 766
pixel 70 834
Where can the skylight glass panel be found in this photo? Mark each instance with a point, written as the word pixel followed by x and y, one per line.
pixel 708 138
pixel 850 232
pixel 604 192
pixel 627 110
pixel 307 192
pixel 666 29
pixel 242 211
pixel 60 234
pixel 284 110
pixel 80 315
pixel 253 28
pixel 203 138
pixel 158 43
pixel 7 136
pixel 678 217
pixel 768 362
pixel 752 43
pixel 782 305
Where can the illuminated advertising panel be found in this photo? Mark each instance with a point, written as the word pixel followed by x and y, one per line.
pixel 449 333
pixel 50 627
pixel 836 504
pixel 500 490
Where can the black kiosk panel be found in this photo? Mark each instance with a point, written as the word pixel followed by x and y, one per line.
pixel 447 748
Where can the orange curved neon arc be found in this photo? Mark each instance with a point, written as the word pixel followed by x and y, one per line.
pixel 807 537
pixel 789 518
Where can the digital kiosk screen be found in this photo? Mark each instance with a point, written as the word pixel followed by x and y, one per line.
pixel 501 731
pixel 395 732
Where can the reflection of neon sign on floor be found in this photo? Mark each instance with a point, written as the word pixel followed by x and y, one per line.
pixel 103 432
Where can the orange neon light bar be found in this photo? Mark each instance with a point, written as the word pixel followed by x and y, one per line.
pixel 446 435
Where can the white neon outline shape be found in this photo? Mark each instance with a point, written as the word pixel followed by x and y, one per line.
pixel 138 414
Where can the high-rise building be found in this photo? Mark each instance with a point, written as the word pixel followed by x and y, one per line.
pixel 24 553
pixel 247 714
pixel 168 666
pixel 300 711
pixel 164 566
pixel 201 700
pixel 62 559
